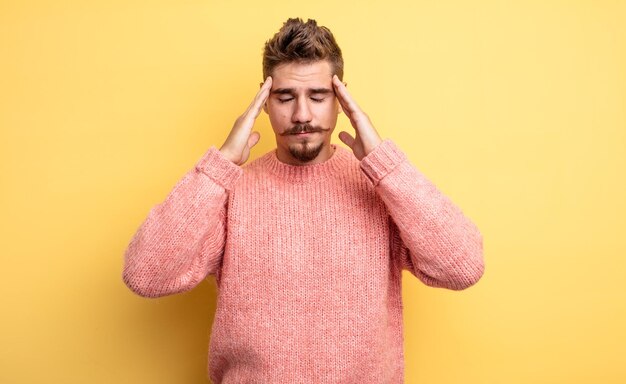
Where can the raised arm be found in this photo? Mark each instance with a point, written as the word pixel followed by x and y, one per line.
pixel 182 239
pixel 442 246
pixel 431 235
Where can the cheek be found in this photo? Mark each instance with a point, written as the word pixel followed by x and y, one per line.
pixel 279 118
pixel 327 112
pixel 275 111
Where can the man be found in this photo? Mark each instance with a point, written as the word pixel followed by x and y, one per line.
pixel 307 243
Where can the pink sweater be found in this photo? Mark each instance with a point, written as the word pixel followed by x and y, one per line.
pixel 307 260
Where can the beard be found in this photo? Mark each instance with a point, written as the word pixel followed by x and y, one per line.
pixel 305 151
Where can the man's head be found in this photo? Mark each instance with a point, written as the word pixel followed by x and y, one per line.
pixel 302 59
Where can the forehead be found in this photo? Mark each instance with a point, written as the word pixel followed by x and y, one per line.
pixel 302 75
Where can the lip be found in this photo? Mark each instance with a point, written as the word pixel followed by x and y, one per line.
pixel 305 134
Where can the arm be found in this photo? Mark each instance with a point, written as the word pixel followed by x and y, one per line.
pixel 439 245
pixel 182 239
pixel 432 237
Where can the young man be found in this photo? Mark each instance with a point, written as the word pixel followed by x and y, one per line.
pixel 307 243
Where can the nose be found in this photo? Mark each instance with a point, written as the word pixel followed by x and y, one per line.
pixel 302 112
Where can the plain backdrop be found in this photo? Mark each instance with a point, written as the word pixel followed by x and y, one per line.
pixel 515 110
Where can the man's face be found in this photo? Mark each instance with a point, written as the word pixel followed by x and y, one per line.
pixel 303 109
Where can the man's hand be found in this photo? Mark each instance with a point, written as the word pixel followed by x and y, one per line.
pixel 366 138
pixel 241 138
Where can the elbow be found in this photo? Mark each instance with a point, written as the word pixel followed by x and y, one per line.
pixel 456 270
pixel 139 273
pixel 455 278
pixel 151 286
pixel 468 276
pixel 140 286
pixel 464 268
pixel 471 270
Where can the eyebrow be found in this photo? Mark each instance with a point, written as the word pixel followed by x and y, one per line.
pixel 292 91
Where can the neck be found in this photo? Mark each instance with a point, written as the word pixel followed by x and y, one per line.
pixel 310 173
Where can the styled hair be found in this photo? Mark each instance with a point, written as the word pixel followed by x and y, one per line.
pixel 302 42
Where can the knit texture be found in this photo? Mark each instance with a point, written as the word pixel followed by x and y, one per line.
pixel 307 260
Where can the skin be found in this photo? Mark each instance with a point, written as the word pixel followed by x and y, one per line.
pixel 302 97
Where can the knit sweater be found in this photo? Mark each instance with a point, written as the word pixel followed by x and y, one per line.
pixel 307 260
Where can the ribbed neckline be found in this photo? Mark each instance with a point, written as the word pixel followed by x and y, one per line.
pixel 300 173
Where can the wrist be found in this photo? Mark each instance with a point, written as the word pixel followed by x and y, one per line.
pixel 227 154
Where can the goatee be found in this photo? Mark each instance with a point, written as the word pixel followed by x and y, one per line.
pixel 306 151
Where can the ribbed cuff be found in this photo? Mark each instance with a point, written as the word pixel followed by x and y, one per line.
pixel 215 165
pixel 382 160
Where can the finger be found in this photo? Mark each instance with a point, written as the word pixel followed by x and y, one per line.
pixel 340 95
pixel 262 96
pixel 346 138
pixel 253 139
pixel 257 103
pixel 345 99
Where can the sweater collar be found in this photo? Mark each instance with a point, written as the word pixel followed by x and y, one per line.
pixel 339 161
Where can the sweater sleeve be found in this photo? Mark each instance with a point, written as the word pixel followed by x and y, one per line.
pixel 438 243
pixel 182 239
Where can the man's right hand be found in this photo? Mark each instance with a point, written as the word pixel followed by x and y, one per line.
pixel 241 138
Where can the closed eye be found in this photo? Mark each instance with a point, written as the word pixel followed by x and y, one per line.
pixel 288 99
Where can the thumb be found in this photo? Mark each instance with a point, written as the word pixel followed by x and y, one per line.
pixel 346 138
pixel 253 139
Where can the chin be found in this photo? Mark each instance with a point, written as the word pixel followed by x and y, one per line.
pixel 306 153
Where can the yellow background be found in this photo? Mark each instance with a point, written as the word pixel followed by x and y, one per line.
pixel 515 110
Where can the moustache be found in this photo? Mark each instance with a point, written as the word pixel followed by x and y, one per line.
pixel 303 128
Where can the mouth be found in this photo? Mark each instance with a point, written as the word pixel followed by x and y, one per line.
pixel 303 134
pixel 303 130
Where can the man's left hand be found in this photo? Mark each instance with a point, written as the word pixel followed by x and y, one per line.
pixel 366 138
